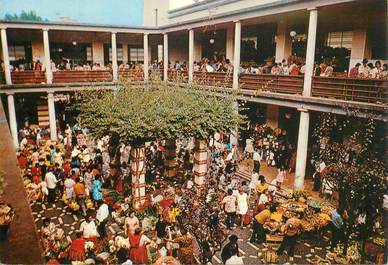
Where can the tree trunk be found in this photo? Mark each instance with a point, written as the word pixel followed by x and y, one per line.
pixel 138 170
pixel 170 162
pixel 200 162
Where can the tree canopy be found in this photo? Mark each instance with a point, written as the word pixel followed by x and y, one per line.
pixel 138 111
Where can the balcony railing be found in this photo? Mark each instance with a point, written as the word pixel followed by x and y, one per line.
pixel 361 90
pixel 132 74
pixel 289 84
pixel 28 77
pixel 178 75
pixel 82 76
pixel 214 79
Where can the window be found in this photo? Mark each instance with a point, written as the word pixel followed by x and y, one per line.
pixel 136 54
pixel 89 56
pixel 16 52
pixel 252 39
pixel 119 54
pixel 340 39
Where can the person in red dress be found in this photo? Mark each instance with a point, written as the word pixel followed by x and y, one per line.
pixel 22 161
pixel 138 250
pixel 77 248
pixel 36 173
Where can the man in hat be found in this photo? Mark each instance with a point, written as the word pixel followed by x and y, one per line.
pixel 80 194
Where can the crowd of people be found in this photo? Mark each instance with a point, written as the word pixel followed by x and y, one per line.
pixel 69 65
pixel 291 66
pixel 78 171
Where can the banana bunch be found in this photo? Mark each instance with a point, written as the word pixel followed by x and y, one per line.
pixel 379 241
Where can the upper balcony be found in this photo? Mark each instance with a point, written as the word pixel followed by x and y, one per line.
pixel 373 91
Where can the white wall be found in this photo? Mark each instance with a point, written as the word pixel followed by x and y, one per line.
pixel 98 52
pixel 37 51
pixel 283 42
pixel 149 12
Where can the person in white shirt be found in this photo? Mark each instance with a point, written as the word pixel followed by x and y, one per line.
pixel 102 217
pixel 88 228
pixel 51 182
pixel 69 187
pixel 234 259
pixel 256 161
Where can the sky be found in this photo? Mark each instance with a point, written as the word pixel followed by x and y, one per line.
pixel 111 12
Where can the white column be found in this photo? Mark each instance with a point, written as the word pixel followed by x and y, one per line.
pixel 301 153
pixel 310 52
pixel 145 48
pixel 47 63
pixel 4 47
pixel 12 119
pixel 237 48
pixel 165 56
pixel 303 134
pixel 114 57
pixel 191 54
pixel 52 118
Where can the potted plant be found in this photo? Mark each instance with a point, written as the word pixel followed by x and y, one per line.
pixel 7 213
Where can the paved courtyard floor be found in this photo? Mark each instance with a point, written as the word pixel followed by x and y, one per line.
pixel 309 247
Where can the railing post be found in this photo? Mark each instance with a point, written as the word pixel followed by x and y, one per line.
pixel 303 136
pixel 145 64
pixel 47 59
pixel 4 47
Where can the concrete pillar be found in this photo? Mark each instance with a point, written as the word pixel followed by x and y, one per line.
pixel 229 44
pixel 191 54
pixel 4 48
pixel 165 56
pixel 138 170
pixel 301 153
pixel 114 57
pixel 310 52
pixel 12 119
pixel 303 134
pixel 145 48
pixel 360 49
pixel 283 42
pixel 272 118
pixel 237 48
pixel 52 118
pixel 200 162
pixel 47 60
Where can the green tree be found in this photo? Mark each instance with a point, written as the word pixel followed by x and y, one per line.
pixel 137 112
pixel 24 15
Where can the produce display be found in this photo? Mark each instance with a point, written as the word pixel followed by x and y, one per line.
pixel 313 213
